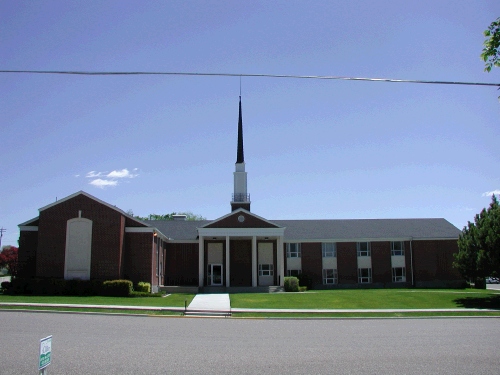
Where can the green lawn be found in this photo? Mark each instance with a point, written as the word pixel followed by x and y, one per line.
pixel 173 300
pixel 331 299
pixel 370 299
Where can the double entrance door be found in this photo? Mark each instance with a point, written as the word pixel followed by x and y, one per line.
pixel 214 274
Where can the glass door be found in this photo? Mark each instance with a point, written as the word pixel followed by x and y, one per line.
pixel 214 274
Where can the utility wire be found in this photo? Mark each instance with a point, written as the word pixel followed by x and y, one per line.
pixel 90 73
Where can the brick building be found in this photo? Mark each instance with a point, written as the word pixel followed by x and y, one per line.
pixel 83 237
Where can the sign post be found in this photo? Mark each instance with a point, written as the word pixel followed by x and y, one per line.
pixel 45 355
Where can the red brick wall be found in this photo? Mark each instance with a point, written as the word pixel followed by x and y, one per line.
pixel 347 263
pixel 107 238
pixel 381 262
pixel 432 260
pixel 181 264
pixel 312 261
pixel 28 242
pixel 138 257
pixel 240 262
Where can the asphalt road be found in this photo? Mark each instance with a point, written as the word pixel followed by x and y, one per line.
pixel 105 344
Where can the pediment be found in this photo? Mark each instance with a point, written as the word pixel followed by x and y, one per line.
pixel 241 218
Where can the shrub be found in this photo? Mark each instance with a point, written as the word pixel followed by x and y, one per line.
pixel 6 285
pixel 305 280
pixel 117 288
pixel 291 284
pixel 302 288
pixel 145 294
pixel 143 287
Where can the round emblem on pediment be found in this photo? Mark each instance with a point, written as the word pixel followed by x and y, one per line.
pixel 241 218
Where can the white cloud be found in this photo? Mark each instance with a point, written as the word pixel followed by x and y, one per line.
pixel 490 193
pixel 124 173
pixel 93 174
pixel 100 183
pixel 106 179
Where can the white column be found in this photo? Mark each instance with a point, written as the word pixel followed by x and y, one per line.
pixel 281 260
pixel 201 261
pixel 254 261
pixel 278 261
pixel 228 278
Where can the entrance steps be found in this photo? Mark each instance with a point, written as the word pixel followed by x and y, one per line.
pixel 209 305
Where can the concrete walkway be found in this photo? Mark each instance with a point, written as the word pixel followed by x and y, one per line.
pixel 210 302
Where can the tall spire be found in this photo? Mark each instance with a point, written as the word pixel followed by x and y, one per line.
pixel 240 158
pixel 241 198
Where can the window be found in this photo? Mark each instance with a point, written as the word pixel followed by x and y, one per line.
pixel 329 249
pixel 293 272
pixel 364 275
pixel 293 250
pixel 397 248
pixel 329 276
pixel 398 275
pixel 266 270
pixel 363 249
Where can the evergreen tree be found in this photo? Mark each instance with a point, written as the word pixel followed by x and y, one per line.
pixel 479 246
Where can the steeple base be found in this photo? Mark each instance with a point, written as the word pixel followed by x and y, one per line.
pixel 236 205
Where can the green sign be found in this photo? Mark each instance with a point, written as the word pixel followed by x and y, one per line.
pixel 45 352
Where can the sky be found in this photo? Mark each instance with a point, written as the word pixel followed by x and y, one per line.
pixel 314 149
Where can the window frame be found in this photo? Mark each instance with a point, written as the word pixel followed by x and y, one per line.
pixel 330 280
pixel 297 273
pixel 402 277
pixel 325 251
pixel 365 279
pixel 293 250
pixel 397 252
pixel 364 253
pixel 266 269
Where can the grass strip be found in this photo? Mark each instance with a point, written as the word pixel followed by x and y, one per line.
pixel 172 300
pixel 422 314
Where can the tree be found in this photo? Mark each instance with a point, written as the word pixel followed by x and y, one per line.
pixel 189 216
pixel 491 50
pixel 479 246
pixel 8 259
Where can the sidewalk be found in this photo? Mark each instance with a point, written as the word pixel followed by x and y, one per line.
pixel 239 310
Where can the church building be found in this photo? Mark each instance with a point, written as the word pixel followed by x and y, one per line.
pixel 82 237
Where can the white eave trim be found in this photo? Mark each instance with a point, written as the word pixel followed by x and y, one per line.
pixel 386 239
pixel 239 210
pixel 28 228
pixel 241 232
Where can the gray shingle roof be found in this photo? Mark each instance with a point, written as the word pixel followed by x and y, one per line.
pixel 367 229
pixel 339 230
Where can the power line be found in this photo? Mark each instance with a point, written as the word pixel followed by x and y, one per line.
pixel 393 80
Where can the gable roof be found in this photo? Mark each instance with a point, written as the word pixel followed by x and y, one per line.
pixel 81 192
pixel 250 221
pixel 330 230
pixel 178 230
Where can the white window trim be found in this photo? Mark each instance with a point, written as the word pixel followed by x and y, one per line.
pixel 400 251
pixel 296 253
pixel 395 277
pixel 364 279
pixel 364 253
pixel 329 253
pixel 330 280
pixel 266 269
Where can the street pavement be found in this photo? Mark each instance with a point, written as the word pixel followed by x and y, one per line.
pixel 107 344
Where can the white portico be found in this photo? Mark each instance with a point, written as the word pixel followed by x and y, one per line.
pixel 241 249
